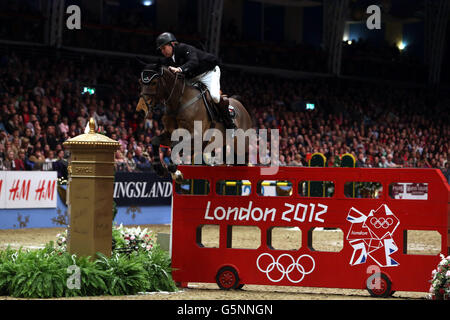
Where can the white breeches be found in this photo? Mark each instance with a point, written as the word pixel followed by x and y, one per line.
pixel 211 79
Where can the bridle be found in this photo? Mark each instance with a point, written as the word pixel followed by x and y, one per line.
pixel 146 80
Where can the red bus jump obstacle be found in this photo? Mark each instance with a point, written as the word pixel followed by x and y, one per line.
pixel 374 208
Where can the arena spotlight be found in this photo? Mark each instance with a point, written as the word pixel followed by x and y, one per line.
pixel 147 3
pixel 310 106
pixel 401 45
pixel 88 90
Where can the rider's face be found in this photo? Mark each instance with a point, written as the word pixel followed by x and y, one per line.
pixel 167 50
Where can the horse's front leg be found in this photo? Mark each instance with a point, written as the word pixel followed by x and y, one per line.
pixel 157 164
pixel 173 168
pixel 161 170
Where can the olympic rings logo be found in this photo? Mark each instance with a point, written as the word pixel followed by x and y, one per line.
pixel 285 271
pixel 381 222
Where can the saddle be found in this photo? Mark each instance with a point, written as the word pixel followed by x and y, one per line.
pixel 211 107
pixel 215 111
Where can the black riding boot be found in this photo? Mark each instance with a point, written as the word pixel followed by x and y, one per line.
pixel 225 113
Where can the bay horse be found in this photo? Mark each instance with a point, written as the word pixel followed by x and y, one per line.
pixel 184 105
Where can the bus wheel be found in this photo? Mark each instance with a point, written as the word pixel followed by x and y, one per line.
pixel 383 289
pixel 227 278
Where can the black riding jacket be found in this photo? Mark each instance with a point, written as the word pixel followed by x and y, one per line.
pixel 191 60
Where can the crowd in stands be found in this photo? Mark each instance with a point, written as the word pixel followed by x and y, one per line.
pixel 42 105
pixel 381 126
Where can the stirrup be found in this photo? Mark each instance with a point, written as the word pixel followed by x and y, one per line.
pixel 231 111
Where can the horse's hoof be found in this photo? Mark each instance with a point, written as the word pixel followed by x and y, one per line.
pixel 177 176
pixel 172 168
pixel 159 169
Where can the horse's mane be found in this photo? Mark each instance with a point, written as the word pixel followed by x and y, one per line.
pixel 159 69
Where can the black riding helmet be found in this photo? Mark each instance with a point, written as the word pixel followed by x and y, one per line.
pixel 164 38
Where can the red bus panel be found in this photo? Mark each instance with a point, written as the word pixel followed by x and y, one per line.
pixel 374 229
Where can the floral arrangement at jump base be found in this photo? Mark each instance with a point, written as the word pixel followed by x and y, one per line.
pixel 124 239
pixel 132 238
pixel 440 281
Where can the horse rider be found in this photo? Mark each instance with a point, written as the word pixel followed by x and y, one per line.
pixel 197 66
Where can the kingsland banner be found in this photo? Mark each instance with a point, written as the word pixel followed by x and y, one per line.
pixel 28 189
pixel 142 189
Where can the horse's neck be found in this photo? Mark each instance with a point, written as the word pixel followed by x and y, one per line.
pixel 182 93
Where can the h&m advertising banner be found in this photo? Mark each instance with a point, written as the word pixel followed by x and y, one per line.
pixel 28 189
pixel 141 189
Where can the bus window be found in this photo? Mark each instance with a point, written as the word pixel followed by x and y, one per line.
pixel 324 189
pixel 366 190
pixel 422 242
pixel 192 187
pixel 326 239
pixel 408 190
pixel 243 237
pixel 208 236
pixel 284 238
pixel 233 187
pixel 272 188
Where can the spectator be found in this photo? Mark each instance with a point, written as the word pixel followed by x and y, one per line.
pixel 360 162
pixel 9 163
pixel 60 165
pixel 37 159
pixel 123 140
pixel 64 125
pixel 390 163
pixel 297 161
pixel 20 161
pixel 142 162
pixel 130 163
pixel 51 139
pixel 49 159
pixel 383 163
pixel 101 117
pixel 282 162
pixel 119 161
pixel 446 172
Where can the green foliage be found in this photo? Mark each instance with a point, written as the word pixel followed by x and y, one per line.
pixel 118 240
pixel 157 264
pixel 125 275
pixel 44 273
pixel 32 274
